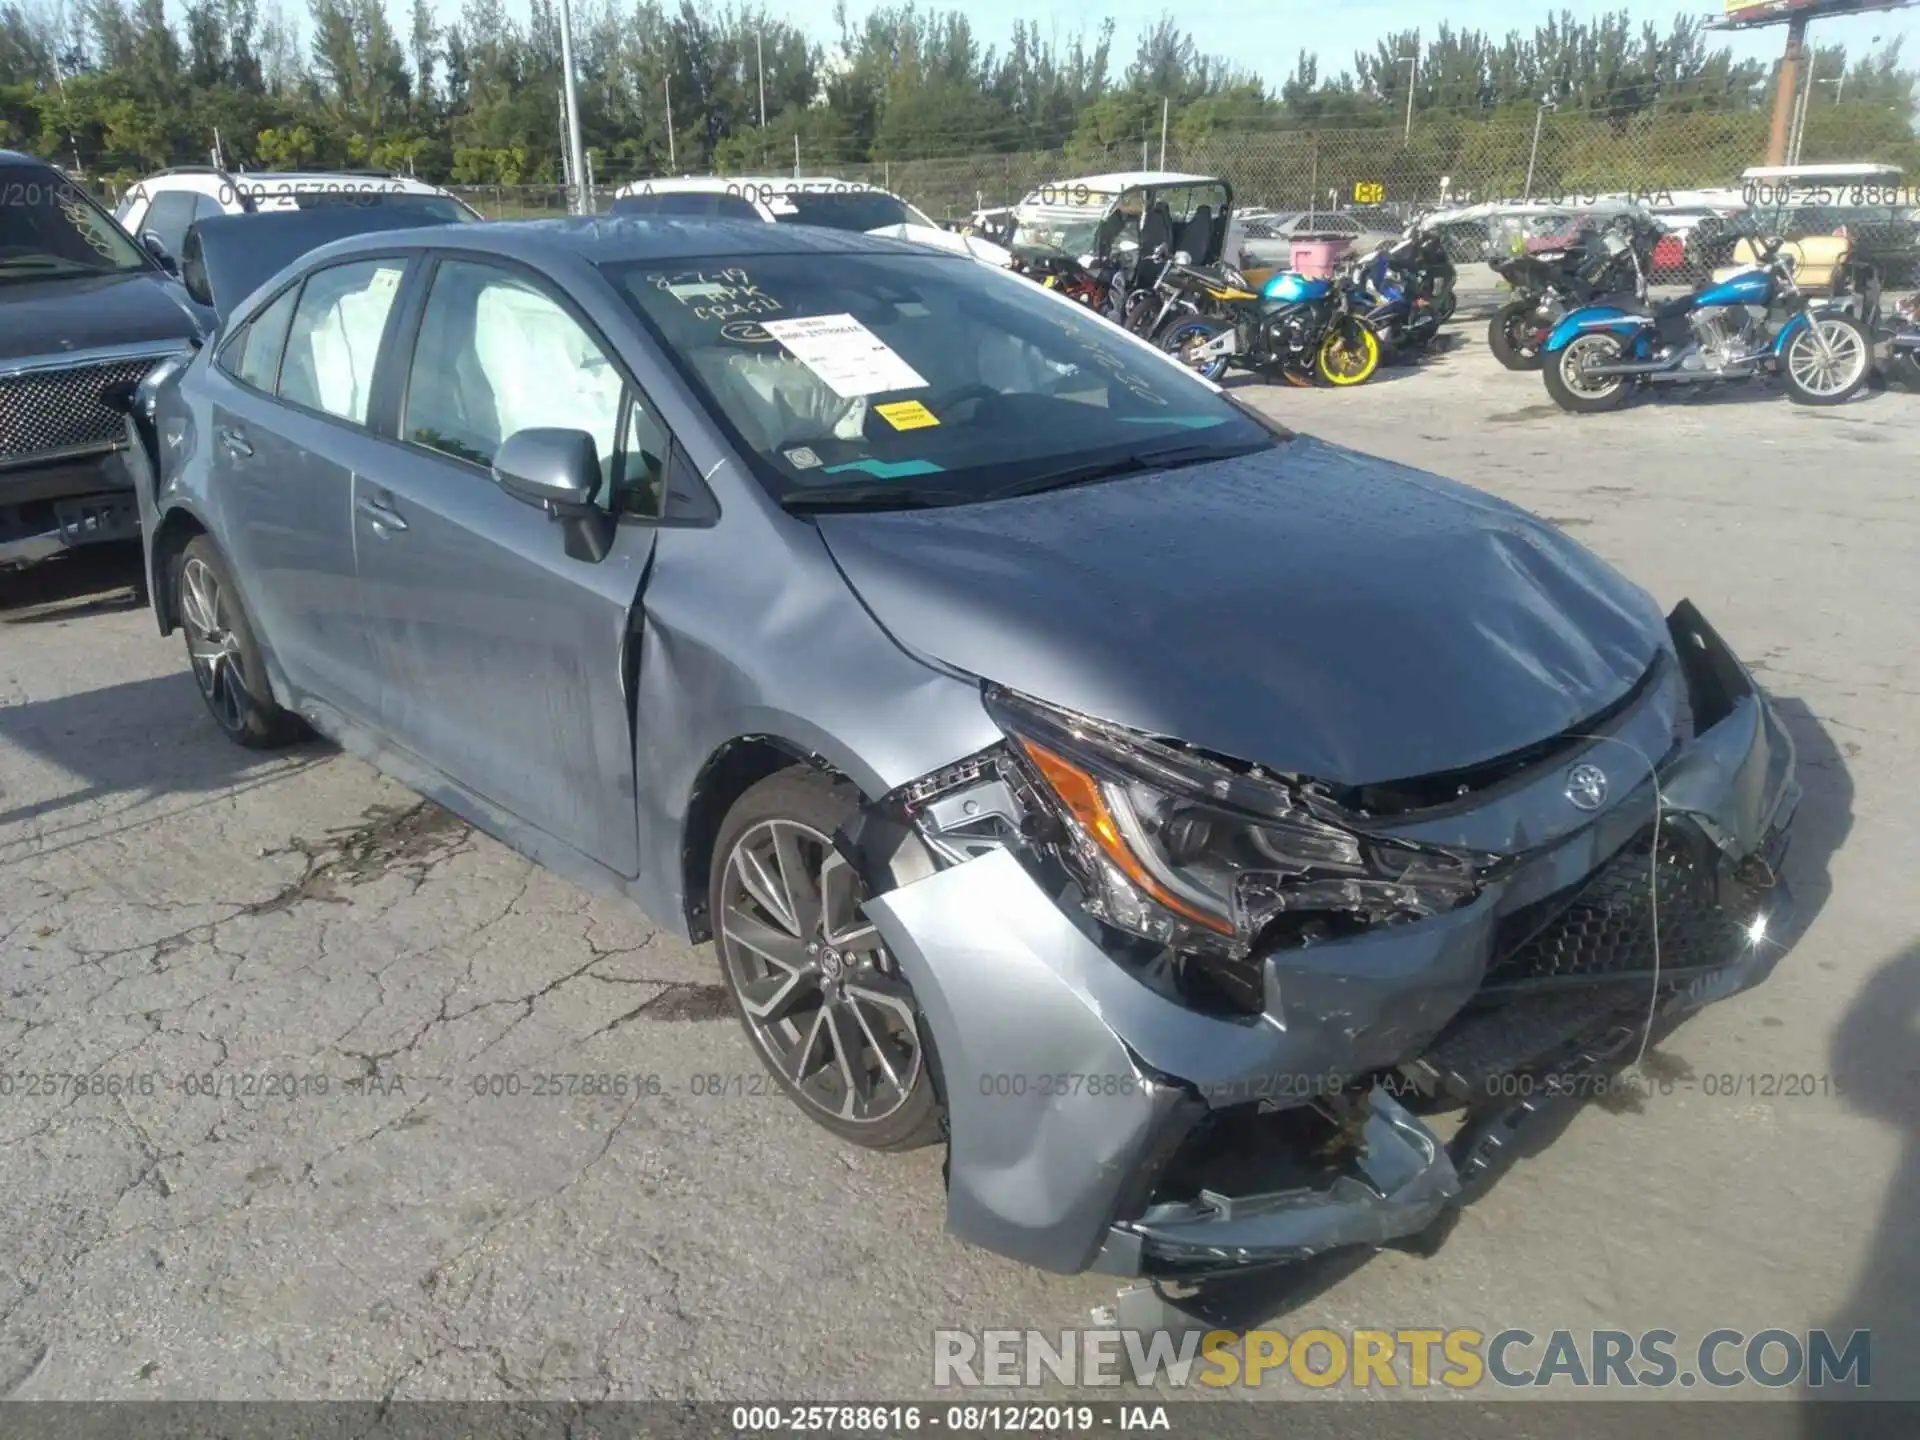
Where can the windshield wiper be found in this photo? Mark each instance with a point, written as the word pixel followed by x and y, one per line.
pixel 872 497
pixel 1088 474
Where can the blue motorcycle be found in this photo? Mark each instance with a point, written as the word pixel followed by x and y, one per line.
pixel 1600 352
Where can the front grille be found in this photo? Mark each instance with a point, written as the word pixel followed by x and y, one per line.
pixel 1604 928
pixel 59 412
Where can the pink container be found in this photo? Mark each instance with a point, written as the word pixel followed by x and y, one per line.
pixel 1315 254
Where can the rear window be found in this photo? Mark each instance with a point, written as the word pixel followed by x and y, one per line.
pixel 860 210
pixel 688 204
pixel 440 207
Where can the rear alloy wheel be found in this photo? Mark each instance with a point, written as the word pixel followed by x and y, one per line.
pixel 1349 354
pixel 225 657
pixel 823 1001
pixel 1827 360
pixel 1570 385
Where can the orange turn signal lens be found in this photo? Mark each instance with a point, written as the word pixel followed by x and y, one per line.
pixel 1080 793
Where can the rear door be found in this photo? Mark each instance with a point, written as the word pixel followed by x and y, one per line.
pixel 290 395
pixel 503 660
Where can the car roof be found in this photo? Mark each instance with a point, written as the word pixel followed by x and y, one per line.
pixel 617 239
pixel 15 157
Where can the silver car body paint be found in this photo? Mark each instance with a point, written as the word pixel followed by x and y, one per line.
pixel 595 697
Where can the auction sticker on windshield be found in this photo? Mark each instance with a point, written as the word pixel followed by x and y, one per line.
pixel 906 415
pixel 850 358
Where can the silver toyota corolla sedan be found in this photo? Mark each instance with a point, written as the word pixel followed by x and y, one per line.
pixel 1169 813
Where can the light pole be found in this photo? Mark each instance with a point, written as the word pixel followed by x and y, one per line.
pixel 1413 69
pixel 576 162
pixel 760 64
pixel 1534 154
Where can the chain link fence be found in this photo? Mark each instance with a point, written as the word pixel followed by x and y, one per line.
pixel 1442 159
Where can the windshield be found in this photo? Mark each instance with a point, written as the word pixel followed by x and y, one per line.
pixel 860 210
pixel 942 380
pixel 48 227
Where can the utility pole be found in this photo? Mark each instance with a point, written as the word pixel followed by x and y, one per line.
pixel 1800 112
pixel 1413 70
pixel 760 64
pixel 672 163
pixel 1534 154
pixel 1164 103
pixel 796 154
pixel 571 103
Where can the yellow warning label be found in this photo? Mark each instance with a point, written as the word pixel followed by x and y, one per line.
pixel 906 415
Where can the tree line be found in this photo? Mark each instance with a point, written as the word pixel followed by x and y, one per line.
pixel 112 89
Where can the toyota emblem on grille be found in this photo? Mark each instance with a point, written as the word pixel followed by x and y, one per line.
pixel 1587 787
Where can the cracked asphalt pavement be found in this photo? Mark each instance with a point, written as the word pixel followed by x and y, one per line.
pixel 274 1030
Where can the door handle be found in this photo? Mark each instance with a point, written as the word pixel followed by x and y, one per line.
pixel 233 442
pixel 382 516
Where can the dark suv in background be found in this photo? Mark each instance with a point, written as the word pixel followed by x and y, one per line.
pixel 83 311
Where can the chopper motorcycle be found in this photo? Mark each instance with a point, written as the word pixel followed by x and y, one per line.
pixel 1598 354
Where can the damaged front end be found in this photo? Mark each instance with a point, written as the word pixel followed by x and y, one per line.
pixel 1192 1015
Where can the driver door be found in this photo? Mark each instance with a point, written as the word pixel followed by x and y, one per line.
pixel 503 661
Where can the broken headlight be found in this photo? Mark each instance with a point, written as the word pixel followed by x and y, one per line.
pixel 1198 853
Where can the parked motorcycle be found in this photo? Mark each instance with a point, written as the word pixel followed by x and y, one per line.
pixel 1548 283
pixel 1409 288
pixel 1903 358
pixel 1296 326
pixel 1084 283
pixel 1597 354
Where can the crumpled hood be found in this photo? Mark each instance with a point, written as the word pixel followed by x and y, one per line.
pixel 50 317
pixel 1313 609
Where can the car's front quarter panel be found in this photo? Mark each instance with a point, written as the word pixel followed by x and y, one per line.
pixel 750 632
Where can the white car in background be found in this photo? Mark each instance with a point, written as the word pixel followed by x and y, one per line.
pixel 158 210
pixel 812 200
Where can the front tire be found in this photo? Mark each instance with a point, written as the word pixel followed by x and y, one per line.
pixel 1580 395
pixel 823 1002
pixel 225 657
pixel 1187 335
pixel 1513 336
pixel 1830 373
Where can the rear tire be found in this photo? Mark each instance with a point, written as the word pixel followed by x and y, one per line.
pixel 227 662
pixel 1561 371
pixel 1349 353
pixel 1816 378
pixel 1903 368
pixel 1513 337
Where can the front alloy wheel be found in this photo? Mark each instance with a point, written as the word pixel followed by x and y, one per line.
pixel 1827 360
pixel 821 997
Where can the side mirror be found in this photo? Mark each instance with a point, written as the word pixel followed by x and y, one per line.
pixel 157 248
pixel 558 471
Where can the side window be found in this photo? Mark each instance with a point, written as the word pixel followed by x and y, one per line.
pixel 335 337
pixel 254 354
pixel 496 355
pixel 167 218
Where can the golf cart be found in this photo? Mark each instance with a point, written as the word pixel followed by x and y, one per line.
pixel 1132 222
pixel 1845 228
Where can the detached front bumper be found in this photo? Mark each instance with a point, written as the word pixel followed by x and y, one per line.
pixel 1098 1123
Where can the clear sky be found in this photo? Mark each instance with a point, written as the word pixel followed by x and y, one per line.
pixel 1268 35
